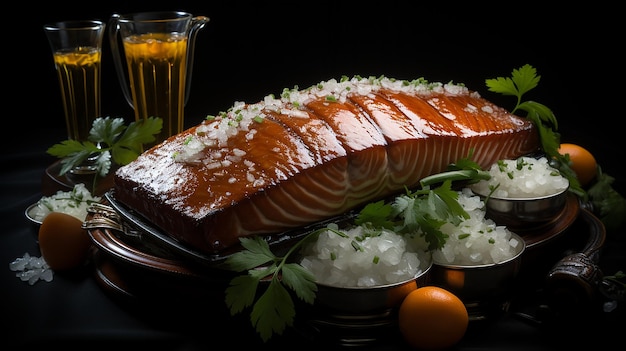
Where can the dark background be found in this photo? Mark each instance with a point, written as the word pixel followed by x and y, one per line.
pixel 251 49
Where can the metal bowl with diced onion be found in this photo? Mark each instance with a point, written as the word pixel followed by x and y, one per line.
pixel 358 316
pixel 524 212
pixel 368 301
pixel 361 274
pixel 524 192
pixel 482 287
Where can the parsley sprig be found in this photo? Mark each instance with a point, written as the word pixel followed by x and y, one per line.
pixel 275 309
pixel 607 203
pixel 419 212
pixel 107 138
pixel 523 80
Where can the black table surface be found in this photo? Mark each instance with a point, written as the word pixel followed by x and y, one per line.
pixel 75 310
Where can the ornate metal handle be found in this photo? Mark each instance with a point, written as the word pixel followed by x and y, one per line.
pixel 105 217
pixel 575 279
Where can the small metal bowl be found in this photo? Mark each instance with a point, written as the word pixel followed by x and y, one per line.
pixel 358 316
pixel 31 214
pixel 367 301
pixel 520 213
pixel 480 285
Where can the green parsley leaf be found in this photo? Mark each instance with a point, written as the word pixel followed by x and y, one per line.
pixel 73 153
pixel 465 163
pixel 522 81
pixel 430 227
pixel 257 253
pixel 300 280
pixel 127 146
pixel 241 292
pixel 607 203
pixel 377 214
pixel 449 207
pixel 273 312
pixel 106 130
pixel 108 138
pixel 540 113
pixel 617 278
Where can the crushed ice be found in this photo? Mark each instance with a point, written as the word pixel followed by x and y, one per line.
pixel 31 269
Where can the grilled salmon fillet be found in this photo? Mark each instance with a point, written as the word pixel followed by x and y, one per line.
pixel 311 154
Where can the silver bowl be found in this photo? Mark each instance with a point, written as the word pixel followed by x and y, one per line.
pixel 358 316
pixel 480 287
pixel 524 212
pixel 367 301
pixel 30 214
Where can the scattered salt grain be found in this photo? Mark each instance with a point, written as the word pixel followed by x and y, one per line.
pixel 609 306
pixel 31 269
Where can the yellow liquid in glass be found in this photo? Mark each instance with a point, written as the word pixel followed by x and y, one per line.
pixel 79 78
pixel 157 71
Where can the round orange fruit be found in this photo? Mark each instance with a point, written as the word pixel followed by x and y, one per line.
pixel 63 243
pixel 582 162
pixel 432 318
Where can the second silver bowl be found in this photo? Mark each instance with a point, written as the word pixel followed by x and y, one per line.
pixel 368 301
pixel 480 285
pixel 524 212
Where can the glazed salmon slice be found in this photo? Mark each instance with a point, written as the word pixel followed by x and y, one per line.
pixel 405 161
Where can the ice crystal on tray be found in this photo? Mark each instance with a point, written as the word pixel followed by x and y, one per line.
pixel 31 269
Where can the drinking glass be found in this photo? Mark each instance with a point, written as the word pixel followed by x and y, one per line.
pixel 77 50
pixel 158 49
